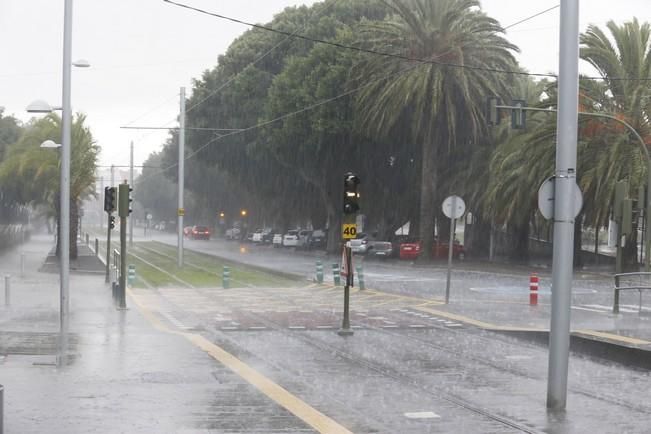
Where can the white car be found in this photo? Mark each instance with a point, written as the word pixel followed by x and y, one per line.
pixel 359 246
pixel 278 240
pixel 257 236
pixel 290 239
pixel 232 234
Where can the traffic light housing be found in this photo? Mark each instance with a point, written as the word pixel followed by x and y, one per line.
pixel 351 195
pixel 112 222
pixel 110 199
pixel 124 198
pixel 518 115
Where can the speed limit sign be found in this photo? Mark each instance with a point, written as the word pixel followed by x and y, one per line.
pixel 348 231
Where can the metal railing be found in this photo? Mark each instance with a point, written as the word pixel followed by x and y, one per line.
pixel 636 281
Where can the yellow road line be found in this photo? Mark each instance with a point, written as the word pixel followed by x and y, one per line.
pixel 606 335
pixel 277 393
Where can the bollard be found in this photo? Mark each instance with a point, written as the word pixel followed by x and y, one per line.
pixel 360 277
pixel 131 276
pixel 335 274
pixel 319 272
pixel 96 247
pixel 7 290
pixel 226 277
pixel 22 265
pixel 533 289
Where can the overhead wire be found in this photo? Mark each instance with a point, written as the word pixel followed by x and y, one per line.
pixel 322 102
pixel 395 55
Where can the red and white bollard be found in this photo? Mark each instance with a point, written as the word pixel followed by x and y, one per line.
pixel 533 289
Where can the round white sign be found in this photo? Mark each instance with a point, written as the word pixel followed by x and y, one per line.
pixel 149 216
pixel 453 207
pixel 546 194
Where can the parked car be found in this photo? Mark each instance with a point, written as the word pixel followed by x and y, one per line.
pixel 277 240
pixel 268 235
pixel 257 236
pixel 440 250
pixel 290 239
pixel 360 244
pixel 232 234
pixel 380 249
pixel 411 250
pixel 303 237
pixel 318 239
pixel 200 233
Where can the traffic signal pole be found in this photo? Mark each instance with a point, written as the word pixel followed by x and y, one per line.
pixel 566 150
pixel 181 175
pixel 108 247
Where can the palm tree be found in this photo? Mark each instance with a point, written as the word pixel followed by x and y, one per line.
pixel 31 174
pixel 437 106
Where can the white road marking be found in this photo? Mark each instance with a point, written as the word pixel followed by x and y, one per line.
pixel 454 325
pixel 422 415
pixel 610 308
pixel 389 326
pixel 416 325
pixel 297 327
pixel 518 357
pixel 229 328
pixel 324 327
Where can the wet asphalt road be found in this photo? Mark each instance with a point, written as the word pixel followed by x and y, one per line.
pixel 405 369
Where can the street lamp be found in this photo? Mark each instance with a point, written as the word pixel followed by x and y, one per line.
pixel 66 117
pixel 243 213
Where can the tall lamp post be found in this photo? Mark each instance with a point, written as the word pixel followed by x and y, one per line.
pixel 64 217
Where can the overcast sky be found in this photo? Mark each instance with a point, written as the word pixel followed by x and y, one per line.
pixel 143 51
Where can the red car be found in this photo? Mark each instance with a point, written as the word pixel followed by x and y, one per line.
pixel 412 250
pixel 200 232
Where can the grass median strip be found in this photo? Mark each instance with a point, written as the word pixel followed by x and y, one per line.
pixel 156 266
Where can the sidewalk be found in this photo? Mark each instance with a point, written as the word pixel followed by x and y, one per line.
pixel 125 375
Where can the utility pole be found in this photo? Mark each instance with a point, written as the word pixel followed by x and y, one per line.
pixel 562 265
pixel 101 189
pixel 181 211
pixel 131 184
pixel 112 176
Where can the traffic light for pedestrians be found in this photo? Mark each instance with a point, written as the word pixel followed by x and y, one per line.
pixel 124 198
pixel 112 222
pixel 351 195
pixel 110 199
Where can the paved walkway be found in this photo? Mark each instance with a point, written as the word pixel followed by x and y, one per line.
pixel 126 376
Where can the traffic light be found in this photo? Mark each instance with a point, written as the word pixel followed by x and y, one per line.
pixel 492 112
pixel 518 115
pixel 110 199
pixel 351 195
pixel 112 222
pixel 124 198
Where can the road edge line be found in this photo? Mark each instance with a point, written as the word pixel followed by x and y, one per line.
pixel 272 390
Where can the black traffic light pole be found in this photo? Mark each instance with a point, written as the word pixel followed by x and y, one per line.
pixel 350 208
pixel 124 209
pixel 109 207
pixel 108 246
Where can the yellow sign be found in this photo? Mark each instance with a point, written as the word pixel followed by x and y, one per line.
pixel 348 231
pixel 181 212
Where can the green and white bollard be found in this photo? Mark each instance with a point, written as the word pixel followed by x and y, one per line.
pixel 360 277
pixel 131 275
pixel 226 277
pixel 319 272
pixel 336 277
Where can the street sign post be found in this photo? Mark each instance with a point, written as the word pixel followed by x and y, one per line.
pixel 453 207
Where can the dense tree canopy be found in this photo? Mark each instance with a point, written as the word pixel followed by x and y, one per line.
pixel 283 118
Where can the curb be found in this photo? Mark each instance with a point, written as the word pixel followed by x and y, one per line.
pixel 593 346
